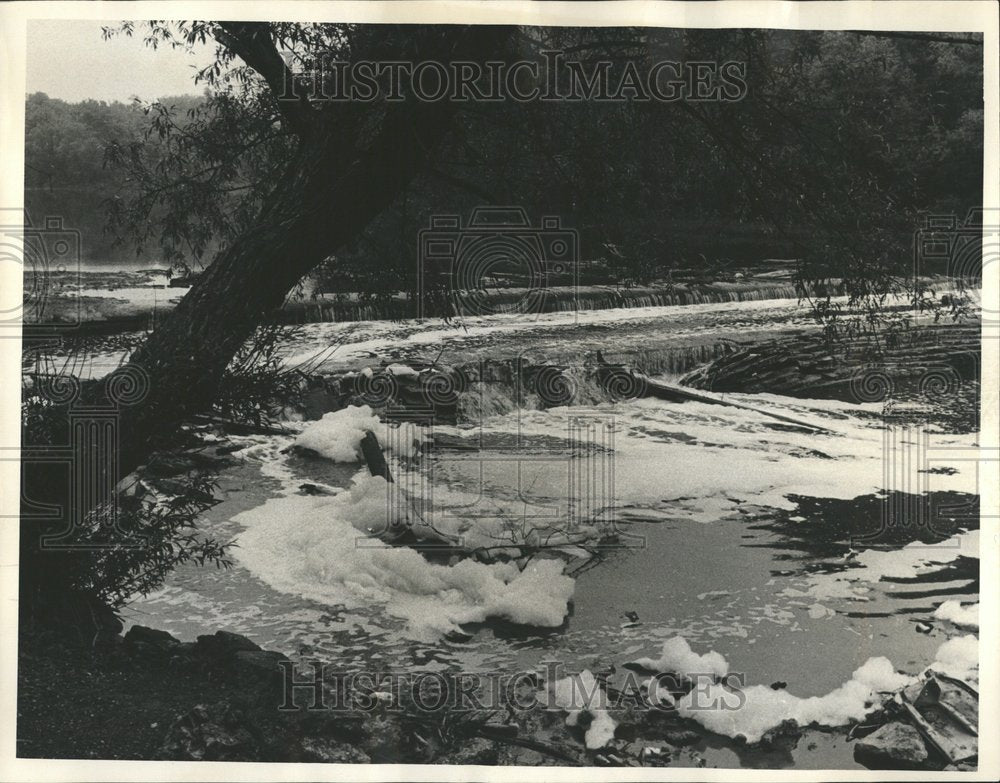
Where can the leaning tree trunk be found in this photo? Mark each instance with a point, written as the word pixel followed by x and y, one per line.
pixel 347 170
pixel 310 214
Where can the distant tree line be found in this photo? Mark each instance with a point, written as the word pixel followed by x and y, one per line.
pixel 841 138
pixel 67 175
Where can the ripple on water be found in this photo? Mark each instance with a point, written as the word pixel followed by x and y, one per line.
pixel 772 563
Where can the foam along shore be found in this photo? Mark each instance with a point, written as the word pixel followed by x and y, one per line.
pixel 751 712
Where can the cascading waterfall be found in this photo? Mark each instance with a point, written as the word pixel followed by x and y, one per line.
pixel 476 391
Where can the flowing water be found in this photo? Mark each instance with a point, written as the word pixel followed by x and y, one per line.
pixel 660 339
pixel 795 555
pixel 774 547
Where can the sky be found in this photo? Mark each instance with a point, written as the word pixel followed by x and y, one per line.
pixel 69 59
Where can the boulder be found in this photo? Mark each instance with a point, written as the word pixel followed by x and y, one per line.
pixel 163 465
pixel 682 737
pixel 258 663
pixel 217 732
pixel 385 741
pixel 188 650
pixel 894 746
pixel 223 644
pixel 474 750
pixel 145 639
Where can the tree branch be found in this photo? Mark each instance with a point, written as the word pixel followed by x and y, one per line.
pixel 252 43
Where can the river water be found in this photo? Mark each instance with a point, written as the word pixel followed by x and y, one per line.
pixel 795 555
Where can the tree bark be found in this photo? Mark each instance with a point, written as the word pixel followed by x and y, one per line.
pixel 351 164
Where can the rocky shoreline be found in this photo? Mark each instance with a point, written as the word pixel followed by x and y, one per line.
pixel 147 695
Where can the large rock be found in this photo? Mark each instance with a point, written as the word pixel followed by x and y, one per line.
pixel 385 741
pixel 217 732
pixel 223 644
pixel 474 750
pixel 144 640
pixel 164 465
pixel 894 746
pixel 258 663
pixel 682 737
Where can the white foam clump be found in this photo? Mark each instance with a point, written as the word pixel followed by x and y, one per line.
pixel 678 657
pixel 338 435
pixel 324 548
pixel 956 614
pixel 958 657
pixel 761 708
pixel 579 694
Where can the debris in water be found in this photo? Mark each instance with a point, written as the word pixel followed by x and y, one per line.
pixel 372 452
pixel 894 746
pixel 632 620
pixel 946 711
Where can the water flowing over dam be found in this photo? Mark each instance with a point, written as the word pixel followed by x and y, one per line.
pixel 553 300
pixel 79 305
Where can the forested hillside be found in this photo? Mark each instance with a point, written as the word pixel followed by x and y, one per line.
pixel 883 128
pixel 66 174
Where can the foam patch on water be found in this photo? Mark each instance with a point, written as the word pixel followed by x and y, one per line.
pixel 266 451
pixel 677 657
pixel 874 565
pixel 759 708
pixel 956 614
pixel 704 461
pixel 751 712
pixel 325 549
pixel 338 435
pixel 958 657
pixel 580 695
